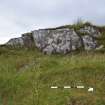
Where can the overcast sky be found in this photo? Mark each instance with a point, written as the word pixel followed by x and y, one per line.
pixel 19 16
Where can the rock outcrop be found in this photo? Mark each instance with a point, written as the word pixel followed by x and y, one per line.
pixel 28 40
pixel 56 41
pixel 16 42
pixel 60 40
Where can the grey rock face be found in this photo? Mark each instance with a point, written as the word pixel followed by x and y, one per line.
pixel 89 42
pixel 25 41
pixel 90 33
pixel 28 40
pixel 56 41
pixel 40 38
pixel 15 42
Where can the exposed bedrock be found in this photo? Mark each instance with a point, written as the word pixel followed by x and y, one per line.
pixel 57 41
pixel 61 40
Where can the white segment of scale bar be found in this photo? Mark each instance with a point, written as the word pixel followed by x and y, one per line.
pixel 80 87
pixel 67 87
pixel 54 87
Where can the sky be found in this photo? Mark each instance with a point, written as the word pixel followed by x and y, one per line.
pixel 20 16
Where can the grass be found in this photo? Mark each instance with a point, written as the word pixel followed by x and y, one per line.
pixel 26 77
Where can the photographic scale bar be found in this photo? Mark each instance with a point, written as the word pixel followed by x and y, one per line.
pixel 90 89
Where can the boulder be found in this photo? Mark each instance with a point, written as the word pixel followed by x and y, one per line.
pixel 56 41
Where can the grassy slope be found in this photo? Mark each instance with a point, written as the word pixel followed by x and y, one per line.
pixel 26 77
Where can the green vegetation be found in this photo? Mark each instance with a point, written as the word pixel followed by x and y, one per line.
pixel 27 75
pixel 101 40
pixel 77 25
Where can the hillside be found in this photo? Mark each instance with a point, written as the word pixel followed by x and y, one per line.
pixel 27 74
pixel 26 77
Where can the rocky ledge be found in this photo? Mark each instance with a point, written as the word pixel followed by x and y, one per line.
pixel 60 40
